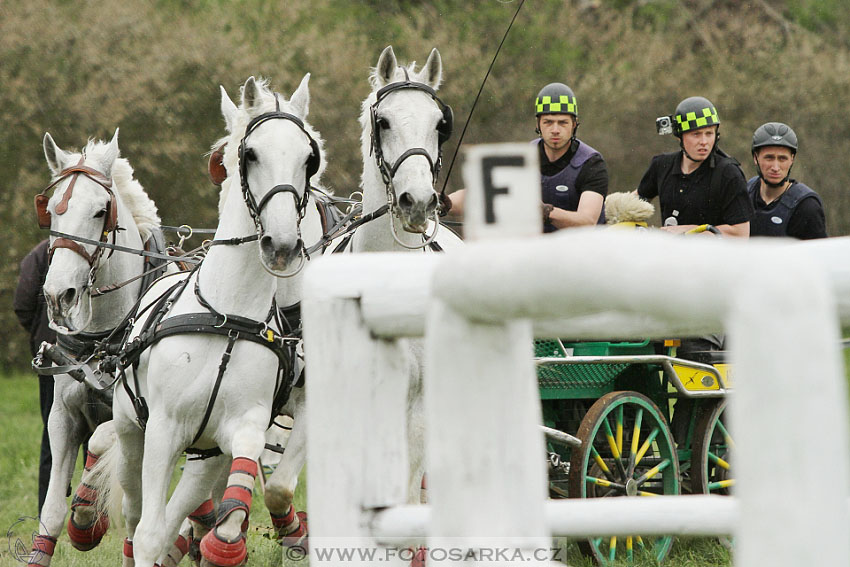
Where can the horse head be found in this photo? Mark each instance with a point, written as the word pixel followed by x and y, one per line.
pixel 84 212
pixel 404 126
pixel 271 155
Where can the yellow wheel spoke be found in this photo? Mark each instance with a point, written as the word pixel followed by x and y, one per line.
pixel 653 471
pixel 599 461
pixel 612 443
pixel 620 429
pixel 646 444
pixel 636 434
pixel 720 462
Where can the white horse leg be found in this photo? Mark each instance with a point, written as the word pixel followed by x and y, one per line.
pixel 192 488
pixel 180 547
pixel 85 526
pixel 291 527
pixel 225 545
pixel 131 442
pixel 66 431
pixel 160 457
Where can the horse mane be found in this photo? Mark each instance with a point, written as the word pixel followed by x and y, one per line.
pixel 234 137
pixel 132 193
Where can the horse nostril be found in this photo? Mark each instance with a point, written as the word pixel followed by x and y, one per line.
pixel 68 297
pixel 432 202
pixel 405 201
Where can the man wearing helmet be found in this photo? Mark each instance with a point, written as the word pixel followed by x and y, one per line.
pixel 699 184
pixel 574 175
pixel 783 206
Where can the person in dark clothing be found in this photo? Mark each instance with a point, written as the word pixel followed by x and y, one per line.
pixel 31 311
pixel 783 206
pixel 699 184
pixel 574 175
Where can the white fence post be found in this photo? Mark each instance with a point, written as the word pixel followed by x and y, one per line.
pixel 486 465
pixel 357 448
pixel 789 414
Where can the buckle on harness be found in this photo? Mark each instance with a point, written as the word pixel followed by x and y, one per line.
pixel 142 412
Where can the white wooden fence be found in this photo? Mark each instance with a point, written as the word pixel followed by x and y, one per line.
pixel 479 308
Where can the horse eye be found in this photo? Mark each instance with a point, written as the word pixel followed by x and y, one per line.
pixel 100 214
pixel 383 123
pixel 250 155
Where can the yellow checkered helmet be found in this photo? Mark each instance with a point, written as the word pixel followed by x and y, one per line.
pixel 556 98
pixel 694 113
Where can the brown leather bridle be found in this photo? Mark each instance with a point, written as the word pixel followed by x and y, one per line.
pixel 110 222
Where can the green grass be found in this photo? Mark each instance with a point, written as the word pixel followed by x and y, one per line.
pixel 20 436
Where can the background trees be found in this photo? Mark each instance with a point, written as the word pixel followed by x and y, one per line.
pixel 153 69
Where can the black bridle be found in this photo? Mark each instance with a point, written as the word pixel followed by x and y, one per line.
pixel 444 132
pixel 255 208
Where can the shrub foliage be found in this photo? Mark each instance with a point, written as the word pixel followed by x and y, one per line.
pixel 80 70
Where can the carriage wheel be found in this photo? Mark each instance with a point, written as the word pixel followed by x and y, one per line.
pixel 627 450
pixel 712 451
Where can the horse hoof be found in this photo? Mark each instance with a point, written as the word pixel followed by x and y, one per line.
pixel 87 538
pixel 298 536
pixel 215 552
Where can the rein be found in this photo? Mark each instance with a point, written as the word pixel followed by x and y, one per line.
pixel 475 102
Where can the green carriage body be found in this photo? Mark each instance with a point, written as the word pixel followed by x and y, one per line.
pixel 588 390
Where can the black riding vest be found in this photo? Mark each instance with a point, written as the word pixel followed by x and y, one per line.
pixel 559 189
pixel 773 219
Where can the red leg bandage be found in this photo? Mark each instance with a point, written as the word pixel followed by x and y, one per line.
pixel 42 551
pixel 237 496
pixel 204 515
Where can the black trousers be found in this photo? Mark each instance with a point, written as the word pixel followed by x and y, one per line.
pixel 45 397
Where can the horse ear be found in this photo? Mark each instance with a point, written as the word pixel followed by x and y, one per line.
pixel 300 100
pixel 433 70
pixel 110 155
pixel 228 109
pixel 54 154
pixel 250 94
pixel 386 66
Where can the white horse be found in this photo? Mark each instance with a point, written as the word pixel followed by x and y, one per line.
pixel 215 389
pixel 404 124
pixel 95 199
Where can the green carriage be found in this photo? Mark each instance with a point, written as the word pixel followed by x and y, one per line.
pixel 633 419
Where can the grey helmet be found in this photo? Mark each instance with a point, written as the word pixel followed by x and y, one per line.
pixel 556 98
pixel 775 134
pixel 694 113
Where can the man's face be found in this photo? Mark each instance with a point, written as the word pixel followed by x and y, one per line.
pixel 774 162
pixel 698 143
pixel 556 130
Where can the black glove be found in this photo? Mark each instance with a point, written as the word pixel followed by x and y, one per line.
pixel 445 204
pixel 547 210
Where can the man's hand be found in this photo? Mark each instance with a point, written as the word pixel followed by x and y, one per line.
pixel 547 210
